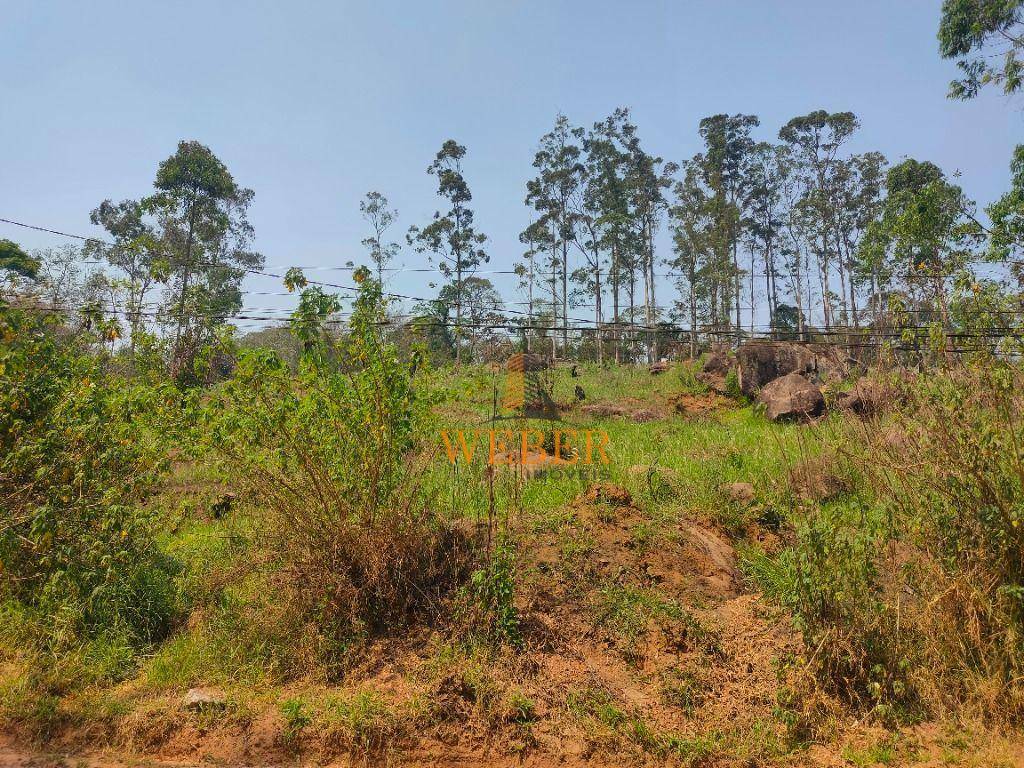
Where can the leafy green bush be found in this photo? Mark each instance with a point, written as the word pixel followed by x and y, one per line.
pixel 492 588
pixel 842 607
pixel 74 466
pixel 329 454
pixel 732 385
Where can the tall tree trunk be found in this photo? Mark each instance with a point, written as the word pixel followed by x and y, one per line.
pixel 554 304
pixel 458 309
pixel 652 347
pixel 842 282
pixel 853 289
pixel 565 297
pixel 597 307
pixel 529 316
pixel 189 239
pixel 736 285
pixel 615 302
pixel 632 315
pixel 826 299
pixel 693 310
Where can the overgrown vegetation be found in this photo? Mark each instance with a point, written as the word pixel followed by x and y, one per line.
pixel 217 536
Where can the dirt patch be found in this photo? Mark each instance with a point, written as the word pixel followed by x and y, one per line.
pixel 606 493
pixel 631 408
pixel 697 406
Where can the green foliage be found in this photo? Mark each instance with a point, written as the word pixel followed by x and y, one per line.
pixel 328 454
pixel 774 576
pixel 1007 213
pixel 975 26
pixel 599 706
pixel 75 463
pixel 452 237
pixel 363 722
pixel 841 608
pixel 14 259
pixel 296 719
pixel 492 589
pixel 204 240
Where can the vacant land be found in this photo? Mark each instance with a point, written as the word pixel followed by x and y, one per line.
pixel 724 590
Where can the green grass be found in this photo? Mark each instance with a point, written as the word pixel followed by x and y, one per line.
pixel 229 633
pixel 608 721
pixel 737 445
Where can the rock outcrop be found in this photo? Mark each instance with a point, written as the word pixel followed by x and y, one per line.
pixel 761 362
pixel 792 397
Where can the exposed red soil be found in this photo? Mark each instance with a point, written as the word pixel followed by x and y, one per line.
pixel 709 664
pixel 640 411
pixel 697 406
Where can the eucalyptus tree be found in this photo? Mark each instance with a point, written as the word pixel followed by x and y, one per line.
pixel 379 214
pixel 797 244
pixel 606 219
pixel 204 245
pixel 451 236
pixel 926 228
pixel 859 188
pixel 691 220
pixel 770 167
pixel 588 237
pixel 816 140
pixel 559 178
pixel 647 179
pixel 483 311
pixel 993 32
pixel 135 252
pixel 728 146
pixel 538 241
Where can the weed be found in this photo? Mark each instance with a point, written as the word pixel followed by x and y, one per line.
pixel 880 753
pixel 774 576
pixel 732 385
pixel 492 589
pixel 326 453
pixel 683 689
pixel 599 706
pixel 363 722
pixel 642 536
pixel 296 719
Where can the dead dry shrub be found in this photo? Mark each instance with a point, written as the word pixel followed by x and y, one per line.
pixel 819 478
pixel 952 574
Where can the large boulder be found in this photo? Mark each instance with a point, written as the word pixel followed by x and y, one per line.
pixel 715 370
pixel 717 363
pixel 759 362
pixel 792 397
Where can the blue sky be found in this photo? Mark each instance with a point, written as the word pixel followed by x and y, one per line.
pixel 312 104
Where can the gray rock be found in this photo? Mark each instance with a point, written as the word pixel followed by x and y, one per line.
pixel 760 362
pixel 204 699
pixel 792 397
